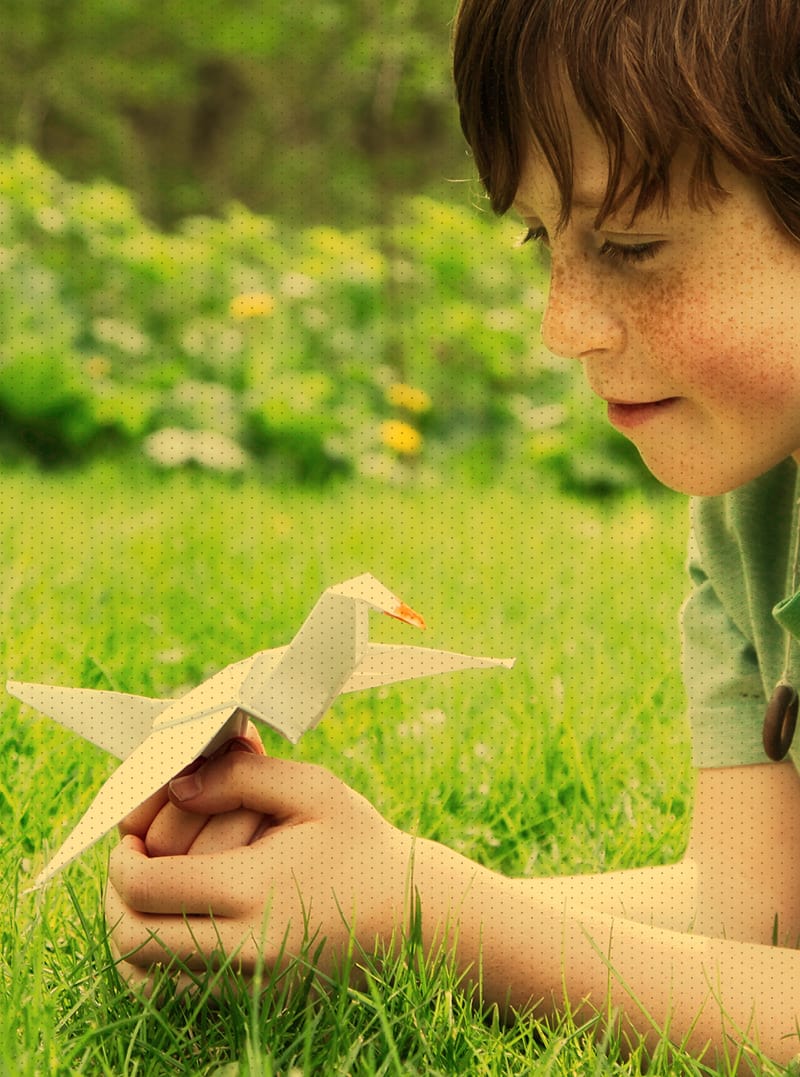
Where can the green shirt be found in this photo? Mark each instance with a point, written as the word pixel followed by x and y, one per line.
pixel 739 616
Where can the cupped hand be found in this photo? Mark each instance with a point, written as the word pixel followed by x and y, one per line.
pixel 167 830
pixel 321 864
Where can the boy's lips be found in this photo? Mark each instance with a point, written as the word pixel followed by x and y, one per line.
pixel 627 414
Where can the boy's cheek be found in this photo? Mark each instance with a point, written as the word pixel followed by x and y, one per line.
pixel 746 375
pixel 718 350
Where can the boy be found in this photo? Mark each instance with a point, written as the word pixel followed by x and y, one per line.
pixel 654 150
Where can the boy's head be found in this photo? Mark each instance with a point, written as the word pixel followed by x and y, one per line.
pixel 722 76
pixel 653 147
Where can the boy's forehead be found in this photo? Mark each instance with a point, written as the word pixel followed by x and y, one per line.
pixel 539 193
pixel 588 200
pixel 538 190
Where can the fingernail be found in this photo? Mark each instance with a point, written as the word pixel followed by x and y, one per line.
pixel 187 787
pixel 193 766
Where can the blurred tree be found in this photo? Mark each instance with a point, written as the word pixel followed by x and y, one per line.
pixel 307 111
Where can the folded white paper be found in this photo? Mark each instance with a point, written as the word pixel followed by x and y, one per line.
pixel 287 688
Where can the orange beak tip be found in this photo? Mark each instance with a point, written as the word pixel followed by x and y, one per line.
pixel 409 616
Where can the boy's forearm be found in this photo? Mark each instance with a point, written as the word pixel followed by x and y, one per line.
pixel 532 951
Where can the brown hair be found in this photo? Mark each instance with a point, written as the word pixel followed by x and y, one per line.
pixel 722 76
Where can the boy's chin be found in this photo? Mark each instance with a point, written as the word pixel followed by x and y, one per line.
pixel 703 481
pixel 696 487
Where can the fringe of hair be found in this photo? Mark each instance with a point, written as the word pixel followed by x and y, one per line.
pixel 721 76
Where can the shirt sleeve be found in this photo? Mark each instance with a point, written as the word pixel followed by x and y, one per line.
pixel 722 679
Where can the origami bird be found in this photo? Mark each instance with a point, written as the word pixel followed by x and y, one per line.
pixel 287 688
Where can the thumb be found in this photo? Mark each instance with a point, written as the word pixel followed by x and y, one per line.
pixel 277 787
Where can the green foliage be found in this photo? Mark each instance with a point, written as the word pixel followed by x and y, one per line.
pixel 388 351
pixel 184 104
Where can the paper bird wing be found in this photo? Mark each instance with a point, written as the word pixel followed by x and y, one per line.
pixel 160 757
pixel 118 722
pixel 114 721
pixel 386 663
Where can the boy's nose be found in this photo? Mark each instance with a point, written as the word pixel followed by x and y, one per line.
pixel 578 321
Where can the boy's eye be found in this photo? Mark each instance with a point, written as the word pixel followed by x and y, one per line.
pixel 619 252
pixel 537 235
pixel 635 252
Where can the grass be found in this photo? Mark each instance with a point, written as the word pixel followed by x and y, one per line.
pixel 576 760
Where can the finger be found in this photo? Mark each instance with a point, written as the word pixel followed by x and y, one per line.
pixel 223 884
pixel 149 982
pixel 239 728
pixel 275 787
pixel 173 831
pixel 135 843
pixel 140 981
pixel 231 830
pixel 140 942
pixel 238 744
pixel 170 831
pixel 140 819
pixel 252 736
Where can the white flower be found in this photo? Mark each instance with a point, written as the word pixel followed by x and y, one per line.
pixel 174 447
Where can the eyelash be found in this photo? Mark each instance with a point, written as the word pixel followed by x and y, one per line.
pixel 636 252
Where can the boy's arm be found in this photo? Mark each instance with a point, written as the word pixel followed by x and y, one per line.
pixel 739 877
pixel 687 946
pixel 329 861
pixel 709 994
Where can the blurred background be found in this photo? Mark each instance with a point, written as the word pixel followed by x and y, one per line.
pixel 248 239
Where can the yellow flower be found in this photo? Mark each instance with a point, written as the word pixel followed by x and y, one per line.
pixel 251 305
pixel 401 437
pixel 404 396
pixel 97 366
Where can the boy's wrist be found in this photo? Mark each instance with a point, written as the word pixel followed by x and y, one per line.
pixel 455 900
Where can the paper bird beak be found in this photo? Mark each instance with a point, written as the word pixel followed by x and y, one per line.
pixel 402 612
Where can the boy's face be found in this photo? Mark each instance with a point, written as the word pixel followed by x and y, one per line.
pixel 688 322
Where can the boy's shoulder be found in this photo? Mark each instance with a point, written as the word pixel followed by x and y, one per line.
pixel 757 514
pixel 743 540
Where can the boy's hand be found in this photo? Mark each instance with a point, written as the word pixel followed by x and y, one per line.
pixel 321 861
pixel 168 831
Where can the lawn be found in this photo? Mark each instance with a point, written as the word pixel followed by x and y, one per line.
pixel 575 760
